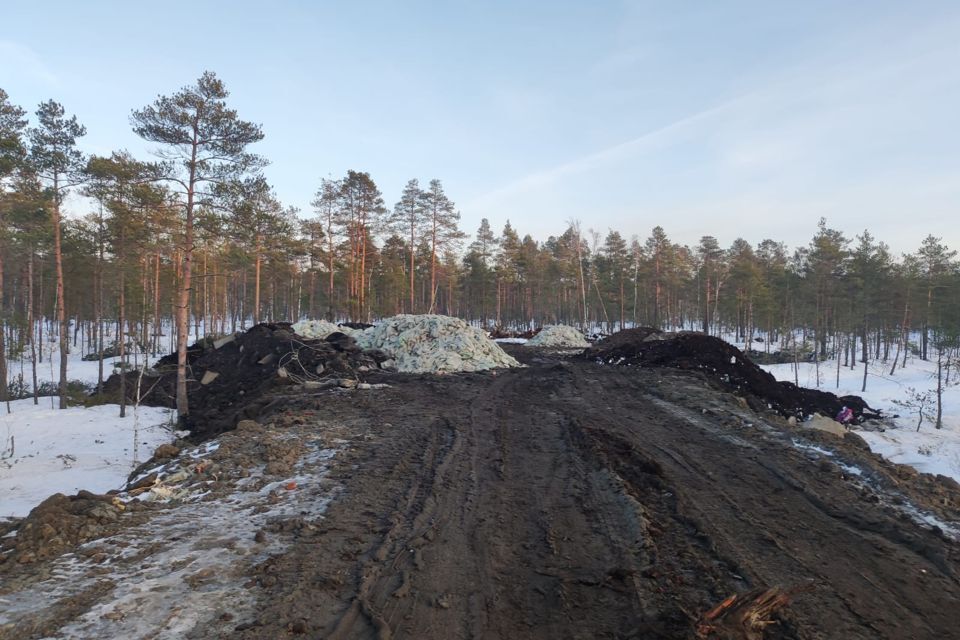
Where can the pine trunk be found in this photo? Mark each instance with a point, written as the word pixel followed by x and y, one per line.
pixel 61 310
pixel 183 308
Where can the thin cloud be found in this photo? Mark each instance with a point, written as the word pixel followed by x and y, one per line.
pixel 644 142
pixel 781 134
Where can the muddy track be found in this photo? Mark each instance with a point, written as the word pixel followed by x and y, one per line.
pixel 567 500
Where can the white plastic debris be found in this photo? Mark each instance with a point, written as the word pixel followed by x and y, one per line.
pixel 558 336
pixel 434 344
pixel 319 329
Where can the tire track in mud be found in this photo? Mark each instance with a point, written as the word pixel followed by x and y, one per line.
pixel 508 533
pixel 572 501
pixel 782 522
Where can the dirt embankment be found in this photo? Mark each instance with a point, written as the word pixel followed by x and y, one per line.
pixel 575 500
pixel 726 365
pixel 230 379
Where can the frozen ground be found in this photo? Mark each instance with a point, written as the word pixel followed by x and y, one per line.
pixel 930 450
pixel 182 568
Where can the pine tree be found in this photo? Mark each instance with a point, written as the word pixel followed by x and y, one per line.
pixel 659 251
pixel 57 162
pixel 408 219
pixel 12 127
pixel 204 144
pixel 868 271
pixel 441 219
pixel 617 261
pixel 325 203
pixel 506 269
pixel 479 272
pixel 711 268
pixel 935 260
pixel 256 220
pixel 12 154
pixel 824 265
pixel 360 213
pixel 110 182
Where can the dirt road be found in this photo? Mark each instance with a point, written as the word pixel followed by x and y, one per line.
pixel 569 500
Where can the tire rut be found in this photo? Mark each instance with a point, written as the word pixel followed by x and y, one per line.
pixel 779 521
pixel 566 500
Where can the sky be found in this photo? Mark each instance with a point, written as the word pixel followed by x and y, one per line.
pixel 731 119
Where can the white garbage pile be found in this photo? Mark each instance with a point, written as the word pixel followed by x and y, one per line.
pixel 319 329
pixel 433 344
pixel 559 337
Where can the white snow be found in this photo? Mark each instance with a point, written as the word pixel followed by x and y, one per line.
pixel 932 450
pixel 45 451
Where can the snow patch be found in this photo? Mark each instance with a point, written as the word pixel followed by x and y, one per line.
pixel 931 450
pixel 45 451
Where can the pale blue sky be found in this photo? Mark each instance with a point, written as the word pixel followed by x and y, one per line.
pixel 730 119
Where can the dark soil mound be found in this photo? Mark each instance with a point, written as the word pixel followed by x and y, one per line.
pixel 725 364
pixel 227 378
pixel 626 340
pixel 775 357
pixel 355 325
pixel 57 523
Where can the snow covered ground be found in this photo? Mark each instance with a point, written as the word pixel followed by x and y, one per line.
pixel 930 450
pixel 45 451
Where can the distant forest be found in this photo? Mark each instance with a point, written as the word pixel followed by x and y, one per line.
pixel 197 236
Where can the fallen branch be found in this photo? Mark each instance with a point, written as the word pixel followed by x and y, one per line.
pixel 744 616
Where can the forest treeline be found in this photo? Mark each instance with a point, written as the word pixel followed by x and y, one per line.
pixel 196 236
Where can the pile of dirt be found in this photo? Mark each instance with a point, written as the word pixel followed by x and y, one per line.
pixel 58 523
pixel 228 377
pixel 776 357
pixel 434 344
pixel 559 337
pixel 726 364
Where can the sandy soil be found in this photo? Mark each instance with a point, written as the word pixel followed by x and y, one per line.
pixel 571 500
